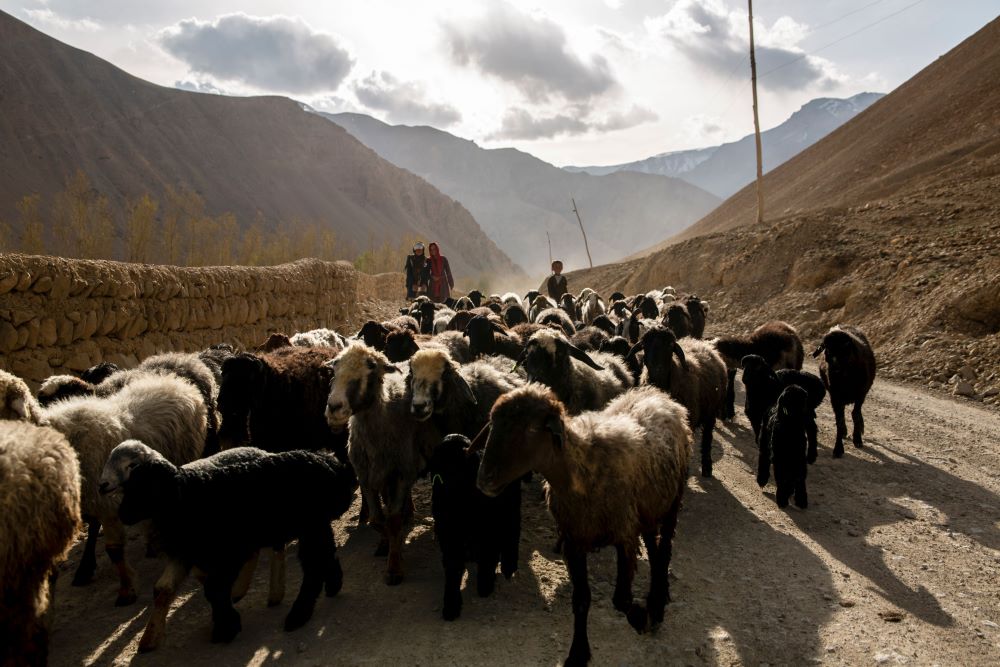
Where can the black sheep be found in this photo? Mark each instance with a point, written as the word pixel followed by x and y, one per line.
pixel 783 444
pixel 487 337
pixel 216 514
pixel 468 524
pixel 604 323
pixel 778 342
pixel 848 371
pixel 763 385
pixel 589 339
pixel 99 373
pixel 513 314
pixel 678 319
pixel 698 310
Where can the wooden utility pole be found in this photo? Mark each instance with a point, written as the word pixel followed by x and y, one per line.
pixel 550 247
pixel 585 244
pixel 756 121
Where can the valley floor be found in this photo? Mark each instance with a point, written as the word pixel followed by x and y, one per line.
pixel 896 561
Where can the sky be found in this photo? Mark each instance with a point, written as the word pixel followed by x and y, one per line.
pixel 584 82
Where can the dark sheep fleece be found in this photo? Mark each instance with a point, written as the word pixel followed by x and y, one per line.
pixel 783 444
pixel 778 342
pixel 763 386
pixel 468 524
pixel 848 371
pixel 214 517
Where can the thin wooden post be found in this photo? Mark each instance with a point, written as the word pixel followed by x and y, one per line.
pixel 756 121
pixel 550 247
pixel 585 244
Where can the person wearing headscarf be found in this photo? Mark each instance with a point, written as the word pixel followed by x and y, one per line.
pixel 415 264
pixel 437 275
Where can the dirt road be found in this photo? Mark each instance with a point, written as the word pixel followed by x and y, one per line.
pixel 896 561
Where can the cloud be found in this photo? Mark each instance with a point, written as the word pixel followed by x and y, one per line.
pixel 200 87
pixel 403 101
pixel 717 38
pixel 50 18
pixel 273 53
pixel 530 52
pixel 520 124
pixel 705 129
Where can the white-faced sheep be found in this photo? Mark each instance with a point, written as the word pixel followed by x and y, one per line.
pixel 692 373
pixel 539 304
pixel 777 342
pixel 213 516
pixel 783 444
pixel 387 448
pixel 568 305
pixel 458 398
pixel 591 305
pixel 611 477
pixel 468 523
pixel 848 371
pixel 581 381
pixel 167 413
pixel 39 518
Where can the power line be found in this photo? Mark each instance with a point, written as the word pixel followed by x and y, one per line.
pixel 851 13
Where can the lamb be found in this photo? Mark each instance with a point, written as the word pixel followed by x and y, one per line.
pixel 468 522
pixel 692 373
pixel 783 442
pixel 386 447
pixel 167 413
pixel 579 381
pixel 557 317
pixel 611 477
pixel 763 385
pixel 458 398
pixel 777 342
pixel 39 519
pixel 486 337
pixel 591 305
pixel 698 310
pixel 848 371
pixel 213 516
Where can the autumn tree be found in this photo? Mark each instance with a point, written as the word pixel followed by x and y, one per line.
pixel 32 237
pixel 140 227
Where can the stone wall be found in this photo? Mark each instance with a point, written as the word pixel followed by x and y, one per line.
pixel 63 315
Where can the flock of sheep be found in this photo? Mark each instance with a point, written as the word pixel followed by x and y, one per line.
pixel 222 453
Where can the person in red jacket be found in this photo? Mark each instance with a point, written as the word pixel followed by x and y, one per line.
pixel 437 275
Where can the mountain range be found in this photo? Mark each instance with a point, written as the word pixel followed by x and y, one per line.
pixel 63 109
pixel 723 170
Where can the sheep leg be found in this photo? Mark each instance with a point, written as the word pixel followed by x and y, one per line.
pixel 453 559
pixel 276 584
pixel 316 550
pixel 763 460
pixel 394 535
pixel 812 433
pixel 511 539
pixel 242 584
pixel 859 423
pixel 801 497
pixel 706 445
pixel 622 598
pixel 729 406
pixel 334 573
pixel 163 595
pixel 225 620
pixel 486 562
pixel 838 413
pixel 659 587
pixel 88 562
pixel 576 563
pixel 114 538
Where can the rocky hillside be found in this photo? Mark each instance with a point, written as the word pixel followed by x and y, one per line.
pixel 723 170
pixel 517 197
pixel 914 260
pixel 62 109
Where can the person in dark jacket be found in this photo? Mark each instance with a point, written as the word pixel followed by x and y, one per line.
pixel 556 284
pixel 437 275
pixel 415 264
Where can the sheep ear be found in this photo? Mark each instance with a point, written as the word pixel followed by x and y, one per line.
pixel 520 359
pixel 680 355
pixel 818 350
pixel 463 387
pixel 497 328
pixel 391 368
pixel 634 352
pixel 19 407
pixel 580 355
pixel 555 426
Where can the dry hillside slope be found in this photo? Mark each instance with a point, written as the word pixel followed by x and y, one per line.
pixel 62 109
pixel 935 126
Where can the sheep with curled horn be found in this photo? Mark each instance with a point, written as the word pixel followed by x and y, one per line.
pixel 612 477
pixel 692 373
pixel 581 381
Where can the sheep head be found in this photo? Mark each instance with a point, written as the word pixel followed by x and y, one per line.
pixel 242 378
pixel 123 460
pixel 480 331
pixel 358 373
pixel 432 375
pixel 151 485
pixel 840 347
pixel 426 316
pixel 756 370
pixel 373 334
pixel 546 357
pixel 527 429
pixel 400 345
pixel 658 345
pixel 453 461
pixel 513 314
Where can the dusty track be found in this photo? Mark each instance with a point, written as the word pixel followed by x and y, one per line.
pixel 895 562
